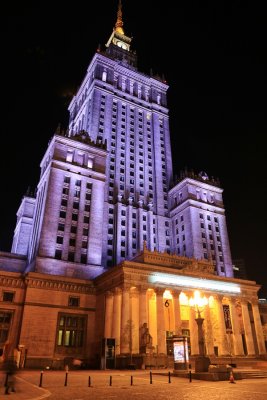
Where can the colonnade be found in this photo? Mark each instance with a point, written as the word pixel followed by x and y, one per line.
pixel 129 308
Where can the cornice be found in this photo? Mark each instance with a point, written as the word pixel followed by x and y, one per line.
pixel 50 284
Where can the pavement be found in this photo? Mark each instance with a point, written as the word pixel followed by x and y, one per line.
pixel 128 385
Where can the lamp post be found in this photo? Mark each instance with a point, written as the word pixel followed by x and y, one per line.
pixel 199 303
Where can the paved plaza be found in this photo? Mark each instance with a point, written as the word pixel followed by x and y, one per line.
pixel 119 387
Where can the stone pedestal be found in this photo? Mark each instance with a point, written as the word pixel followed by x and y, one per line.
pixel 202 364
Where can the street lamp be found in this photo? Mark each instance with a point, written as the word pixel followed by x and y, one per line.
pixel 199 303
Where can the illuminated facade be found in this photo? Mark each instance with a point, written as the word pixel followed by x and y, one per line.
pixel 111 248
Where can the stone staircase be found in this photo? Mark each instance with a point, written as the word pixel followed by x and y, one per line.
pixel 253 374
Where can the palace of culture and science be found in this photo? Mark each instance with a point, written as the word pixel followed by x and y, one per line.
pixel 110 237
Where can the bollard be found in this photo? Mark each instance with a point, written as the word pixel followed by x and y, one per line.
pixel 41 379
pixel 190 376
pixel 89 381
pixel 131 380
pixel 66 379
pixel 6 381
pixel 150 373
pixel 110 380
pixel 169 377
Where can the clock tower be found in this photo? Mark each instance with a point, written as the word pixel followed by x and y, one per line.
pixel 118 45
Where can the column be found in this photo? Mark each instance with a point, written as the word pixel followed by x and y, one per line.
pixel 134 339
pixel 193 331
pixel 177 312
pixel 247 327
pixel 108 314
pixel 116 322
pixel 208 330
pixel 223 343
pixel 258 327
pixel 161 331
pixel 143 318
pixel 125 321
pixel 152 316
pixel 238 344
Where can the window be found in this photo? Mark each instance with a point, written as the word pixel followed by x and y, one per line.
pixel 8 296
pixel 60 239
pixel 73 229
pixel 84 258
pixel 58 254
pixel 72 242
pixel 74 217
pixel 71 330
pixel 87 207
pixel 61 227
pixel 5 320
pixel 67 179
pixel 71 256
pixel 62 214
pixel 74 301
pixel 85 232
pixel 76 205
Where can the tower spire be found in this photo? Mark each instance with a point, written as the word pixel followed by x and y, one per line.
pixel 119 22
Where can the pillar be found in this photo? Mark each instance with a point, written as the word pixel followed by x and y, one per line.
pixel 108 315
pixel 237 338
pixel 116 321
pixel 134 342
pixel 208 329
pixel 143 317
pixel 223 343
pixel 125 321
pixel 193 331
pixel 161 331
pixel 152 316
pixel 177 312
pixel 247 328
pixel 258 327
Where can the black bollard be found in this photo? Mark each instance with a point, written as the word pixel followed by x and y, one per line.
pixel 41 379
pixel 110 380
pixel 150 373
pixel 6 381
pixel 89 381
pixel 169 377
pixel 131 380
pixel 66 379
pixel 190 376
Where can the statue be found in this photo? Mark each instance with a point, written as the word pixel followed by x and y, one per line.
pixel 145 339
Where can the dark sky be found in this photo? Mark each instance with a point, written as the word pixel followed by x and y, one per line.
pixel 212 54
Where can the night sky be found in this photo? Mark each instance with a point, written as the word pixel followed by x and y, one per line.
pixel 213 56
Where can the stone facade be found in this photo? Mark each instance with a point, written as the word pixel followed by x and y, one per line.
pixel 55 319
pixel 109 253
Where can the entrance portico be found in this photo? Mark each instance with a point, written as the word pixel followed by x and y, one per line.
pixel 154 290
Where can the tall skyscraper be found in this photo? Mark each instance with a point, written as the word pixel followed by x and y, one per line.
pixel 128 110
pixel 106 196
pixel 124 111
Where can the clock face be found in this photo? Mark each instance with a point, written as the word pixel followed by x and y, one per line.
pixel 122 45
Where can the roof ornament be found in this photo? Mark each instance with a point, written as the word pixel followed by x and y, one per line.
pixel 119 22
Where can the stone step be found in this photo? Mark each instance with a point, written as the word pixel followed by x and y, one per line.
pixel 253 374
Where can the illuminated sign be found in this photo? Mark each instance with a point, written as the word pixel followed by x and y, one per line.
pixel 186 281
pixel 180 351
